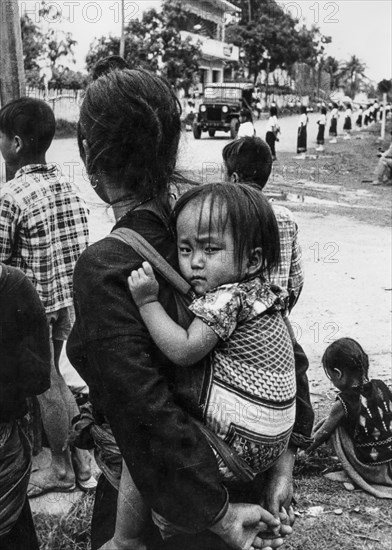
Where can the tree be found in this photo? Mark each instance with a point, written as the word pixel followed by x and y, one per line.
pixel 265 27
pixel 332 67
pixel 384 86
pixel 44 45
pixel 352 71
pixel 154 43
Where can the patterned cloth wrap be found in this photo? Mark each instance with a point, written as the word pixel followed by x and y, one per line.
pixel 251 399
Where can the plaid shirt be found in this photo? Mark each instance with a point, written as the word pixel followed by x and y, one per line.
pixel 43 231
pixel 289 274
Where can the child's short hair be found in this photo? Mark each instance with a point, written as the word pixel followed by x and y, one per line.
pixel 273 111
pixel 250 158
pixel 107 64
pixel 30 119
pixel 347 355
pixel 241 206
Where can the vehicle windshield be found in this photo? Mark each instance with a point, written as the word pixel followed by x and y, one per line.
pixel 222 94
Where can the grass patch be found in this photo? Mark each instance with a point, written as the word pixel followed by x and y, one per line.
pixel 68 532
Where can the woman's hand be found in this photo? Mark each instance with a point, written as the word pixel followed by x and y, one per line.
pixel 143 285
pixel 243 525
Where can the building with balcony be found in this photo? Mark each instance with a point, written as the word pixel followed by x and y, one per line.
pixel 206 25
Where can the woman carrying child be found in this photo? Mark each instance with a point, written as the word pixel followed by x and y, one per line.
pixel 272 131
pixel 238 316
pixel 360 422
pixel 129 131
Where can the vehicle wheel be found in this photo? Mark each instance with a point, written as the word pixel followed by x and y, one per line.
pixel 211 133
pixel 234 125
pixel 196 131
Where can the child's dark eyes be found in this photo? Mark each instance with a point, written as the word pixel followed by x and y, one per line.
pixel 212 249
pixel 184 250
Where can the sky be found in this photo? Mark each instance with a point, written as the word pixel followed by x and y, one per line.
pixel 357 27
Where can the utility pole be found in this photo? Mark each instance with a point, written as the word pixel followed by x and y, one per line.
pixel 12 80
pixel 122 39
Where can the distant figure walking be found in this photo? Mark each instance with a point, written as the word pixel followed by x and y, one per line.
pixel 333 129
pixel 273 130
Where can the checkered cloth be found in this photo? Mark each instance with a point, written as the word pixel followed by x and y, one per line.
pixel 289 274
pixel 43 230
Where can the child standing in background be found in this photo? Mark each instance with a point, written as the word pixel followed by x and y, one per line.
pixel 360 422
pixel 322 121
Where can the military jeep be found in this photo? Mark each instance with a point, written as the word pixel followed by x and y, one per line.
pixel 221 106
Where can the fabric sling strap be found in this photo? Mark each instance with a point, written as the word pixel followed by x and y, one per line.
pixel 128 236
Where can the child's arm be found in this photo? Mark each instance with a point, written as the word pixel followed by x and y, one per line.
pixel 328 427
pixel 182 347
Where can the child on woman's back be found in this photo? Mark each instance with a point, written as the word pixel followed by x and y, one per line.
pixel 238 316
pixel 360 420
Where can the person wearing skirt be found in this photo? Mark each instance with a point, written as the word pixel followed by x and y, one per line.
pixel 322 121
pixel 359 118
pixel 302 132
pixel 333 129
pixel 272 130
pixel 347 127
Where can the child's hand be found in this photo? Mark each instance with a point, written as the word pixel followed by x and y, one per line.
pixel 143 285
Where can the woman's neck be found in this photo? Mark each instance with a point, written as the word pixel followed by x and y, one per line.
pixel 123 206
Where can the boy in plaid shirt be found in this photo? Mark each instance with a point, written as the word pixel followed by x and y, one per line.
pixel 43 231
pixel 249 160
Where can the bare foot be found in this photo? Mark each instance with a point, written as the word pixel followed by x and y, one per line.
pixel 46 481
pixel 81 460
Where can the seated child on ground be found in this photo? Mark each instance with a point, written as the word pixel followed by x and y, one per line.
pixel 360 421
pixel 238 317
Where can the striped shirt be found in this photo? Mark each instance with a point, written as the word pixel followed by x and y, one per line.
pixel 43 230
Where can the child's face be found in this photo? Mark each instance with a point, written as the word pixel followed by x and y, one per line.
pixel 206 254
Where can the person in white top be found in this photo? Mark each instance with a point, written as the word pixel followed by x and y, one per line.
pixel 302 132
pixel 333 129
pixel 246 125
pixel 322 122
pixel 272 130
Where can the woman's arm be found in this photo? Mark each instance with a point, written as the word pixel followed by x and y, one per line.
pixel 182 347
pixel 331 423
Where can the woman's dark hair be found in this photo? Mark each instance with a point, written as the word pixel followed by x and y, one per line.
pixel 273 111
pixel 250 158
pixel 246 114
pixel 323 110
pixel 346 355
pixel 32 120
pixel 335 105
pixel 248 213
pixel 131 122
pixel 348 106
pixel 303 110
pixel 107 64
